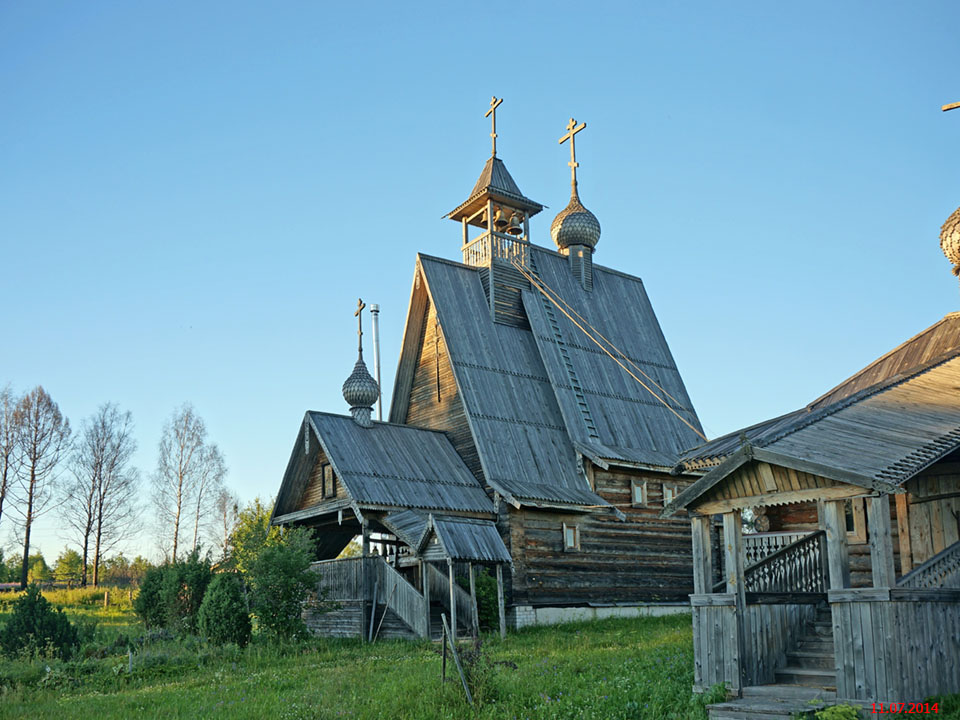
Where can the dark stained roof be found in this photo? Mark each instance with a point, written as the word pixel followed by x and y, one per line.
pixel 408 525
pixel 389 465
pixel 940 340
pixel 877 438
pixel 519 393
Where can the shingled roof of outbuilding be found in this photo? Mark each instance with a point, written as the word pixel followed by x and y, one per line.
pixel 939 341
pixel 877 438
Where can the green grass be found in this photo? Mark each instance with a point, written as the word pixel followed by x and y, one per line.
pixel 608 670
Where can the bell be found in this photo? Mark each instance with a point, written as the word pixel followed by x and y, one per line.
pixel 500 219
pixel 515 227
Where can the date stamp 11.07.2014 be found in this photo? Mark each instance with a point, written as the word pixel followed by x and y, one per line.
pixel 905 708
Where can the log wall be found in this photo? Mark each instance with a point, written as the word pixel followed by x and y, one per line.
pixel 642 559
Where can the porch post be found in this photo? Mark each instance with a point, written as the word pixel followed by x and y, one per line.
pixel 702 555
pixel 453 602
pixel 500 604
pixel 425 584
pixel 881 542
pixel 733 559
pixel 364 576
pixel 473 597
pixel 838 559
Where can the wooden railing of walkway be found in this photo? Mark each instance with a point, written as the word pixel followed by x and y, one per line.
pixel 940 571
pixel 796 567
pixel 439 586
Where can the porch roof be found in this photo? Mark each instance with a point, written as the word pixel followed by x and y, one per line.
pixel 876 439
pixel 459 538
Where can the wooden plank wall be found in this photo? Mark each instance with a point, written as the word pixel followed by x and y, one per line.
pixel 934 510
pixel 446 412
pixel 773 629
pixel 313 493
pixel 901 649
pixel 715 650
pixel 644 559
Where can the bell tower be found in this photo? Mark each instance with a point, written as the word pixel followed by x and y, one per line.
pixel 496 232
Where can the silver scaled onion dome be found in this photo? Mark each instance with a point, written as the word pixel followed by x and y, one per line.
pixel 361 391
pixel 575 225
pixel 950 240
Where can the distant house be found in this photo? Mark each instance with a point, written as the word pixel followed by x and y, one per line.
pixel 536 416
pixel 857 593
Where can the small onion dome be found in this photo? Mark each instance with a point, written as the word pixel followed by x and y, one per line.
pixel 361 391
pixel 575 225
pixel 950 240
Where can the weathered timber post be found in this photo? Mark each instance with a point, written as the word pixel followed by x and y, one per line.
pixel 106 599
pixel 475 625
pixel 453 602
pixel 838 559
pixel 365 568
pixel 501 610
pixel 425 585
pixel 733 557
pixel 881 542
pixel 702 555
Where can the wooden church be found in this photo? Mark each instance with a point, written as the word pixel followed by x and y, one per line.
pixel 536 416
pixel 852 591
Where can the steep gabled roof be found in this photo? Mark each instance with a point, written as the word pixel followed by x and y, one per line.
pixel 939 341
pixel 386 465
pixel 608 414
pixel 877 438
pixel 520 392
pixel 497 183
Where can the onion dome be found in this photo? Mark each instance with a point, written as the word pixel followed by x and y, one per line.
pixel 950 240
pixel 361 391
pixel 575 225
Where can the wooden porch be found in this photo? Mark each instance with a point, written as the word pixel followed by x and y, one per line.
pixel 788 628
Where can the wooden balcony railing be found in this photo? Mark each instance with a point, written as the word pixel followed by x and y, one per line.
pixel 498 246
pixel 940 571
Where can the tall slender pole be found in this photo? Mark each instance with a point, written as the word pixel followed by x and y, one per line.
pixel 375 317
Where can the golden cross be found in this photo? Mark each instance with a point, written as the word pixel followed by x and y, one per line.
pixel 572 129
pixel 951 106
pixel 360 306
pixel 494 104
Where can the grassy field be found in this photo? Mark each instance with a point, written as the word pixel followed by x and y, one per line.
pixel 605 670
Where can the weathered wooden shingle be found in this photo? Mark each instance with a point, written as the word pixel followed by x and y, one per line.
pixel 398 465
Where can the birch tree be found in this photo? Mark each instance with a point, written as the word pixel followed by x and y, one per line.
pixel 189 474
pixel 227 507
pixel 42 440
pixel 8 444
pixel 100 506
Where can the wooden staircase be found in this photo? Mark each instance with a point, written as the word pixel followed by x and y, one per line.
pixel 805 684
pixel 811 661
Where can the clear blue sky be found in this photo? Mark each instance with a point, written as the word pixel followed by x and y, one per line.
pixel 193 195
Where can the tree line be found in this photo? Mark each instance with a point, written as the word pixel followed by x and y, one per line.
pixel 88 479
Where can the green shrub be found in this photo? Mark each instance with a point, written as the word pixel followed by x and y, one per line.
pixel 280 580
pixel 181 592
pixel 148 604
pixel 223 616
pixel 35 626
pixel 839 712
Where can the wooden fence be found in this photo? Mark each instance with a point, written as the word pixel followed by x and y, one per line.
pixel 725 652
pixel 896 645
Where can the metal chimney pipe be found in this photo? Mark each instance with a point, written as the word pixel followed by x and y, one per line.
pixel 375 317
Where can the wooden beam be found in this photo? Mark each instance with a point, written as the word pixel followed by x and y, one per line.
pixel 714 507
pixel 733 559
pixel 702 555
pixel 838 559
pixel 903 533
pixel 453 602
pixel 473 598
pixel 881 542
pixel 827 471
pixel 500 604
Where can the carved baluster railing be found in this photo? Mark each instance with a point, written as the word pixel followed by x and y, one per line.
pixel 940 571
pixel 798 567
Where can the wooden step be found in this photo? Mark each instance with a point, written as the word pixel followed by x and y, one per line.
pixel 816 644
pixel 811 677
pixel 811 659
pixel 821 629
pixel 789 692
pixel 772 702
